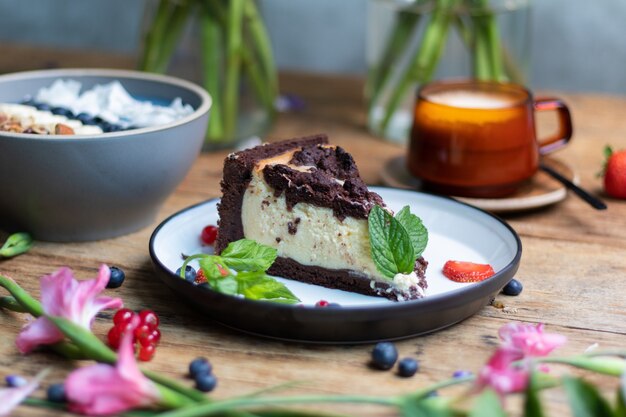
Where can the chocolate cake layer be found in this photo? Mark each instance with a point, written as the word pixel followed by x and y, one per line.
pixel 344 279
pixel 237 176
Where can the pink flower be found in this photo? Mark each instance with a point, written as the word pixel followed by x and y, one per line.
pixel 530 339
pixel 12 397
pixel 103 389
pixel 501 375
pixel 64 296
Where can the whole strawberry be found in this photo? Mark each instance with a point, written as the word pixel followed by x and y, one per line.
pixel 615 173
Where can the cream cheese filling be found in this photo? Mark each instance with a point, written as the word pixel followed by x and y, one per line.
pixel 320 238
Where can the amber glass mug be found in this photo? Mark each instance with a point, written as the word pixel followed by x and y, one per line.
pixel 478 139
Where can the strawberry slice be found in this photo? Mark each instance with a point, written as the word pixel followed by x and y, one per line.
pixel 460 271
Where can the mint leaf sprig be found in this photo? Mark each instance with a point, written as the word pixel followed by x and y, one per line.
pixel 250 260
pixel 396 242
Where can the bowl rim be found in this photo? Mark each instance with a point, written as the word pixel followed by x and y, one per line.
pixel 203 108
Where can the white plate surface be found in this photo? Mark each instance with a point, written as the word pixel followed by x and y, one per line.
pixel 456 231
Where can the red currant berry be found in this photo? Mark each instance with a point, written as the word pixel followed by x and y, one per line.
pixel 209 234
pixel 322 303
pixel 142 331
pixel 152 338
pixel 149 317
pixel 146 353
pixel 113 337
pixel 123 316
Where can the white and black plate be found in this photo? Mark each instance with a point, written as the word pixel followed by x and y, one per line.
pixel 456 231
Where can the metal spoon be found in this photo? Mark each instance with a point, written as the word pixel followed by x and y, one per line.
pixel 593 201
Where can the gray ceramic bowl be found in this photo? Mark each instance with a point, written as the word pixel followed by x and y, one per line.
pixel 78 188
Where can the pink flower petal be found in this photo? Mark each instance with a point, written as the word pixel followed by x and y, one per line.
pixel 39 332
pixel 12 397
pixel 530 339
pixel 63 296
pixel 103 389
pixel 501 375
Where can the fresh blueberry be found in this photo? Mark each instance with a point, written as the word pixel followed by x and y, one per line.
pixel 85 119
pixel 407 367
pixel 198 367
pixel 206 382
pixel 15 381
pixel 384 355
pixel 56 393
pixel 115 128
pixel 190 273
pixel 105 126
pixel 514 287
pixel 42 107
pixel 461 374
pixel 62 111
pixel 117 278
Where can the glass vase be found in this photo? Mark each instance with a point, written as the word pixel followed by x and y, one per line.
pixel 411 42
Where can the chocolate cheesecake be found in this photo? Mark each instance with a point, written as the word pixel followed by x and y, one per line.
pixel 306 199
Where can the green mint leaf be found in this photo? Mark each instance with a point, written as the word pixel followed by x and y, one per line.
pixel 248 255
pixel 260 286
pixel 16 244
pixel 415 228
pixel 391 247
pixel 226 285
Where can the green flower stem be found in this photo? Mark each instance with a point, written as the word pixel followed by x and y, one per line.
pixel 202 410
pixel 212 42
pixel 16 244
pixel 233 65
pixel 10 303
pixel 406 22
pixel 29 304
pixel 603 365
pixel 176 386
pixel 425 61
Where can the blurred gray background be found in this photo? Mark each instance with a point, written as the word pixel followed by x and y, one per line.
pixel 577 45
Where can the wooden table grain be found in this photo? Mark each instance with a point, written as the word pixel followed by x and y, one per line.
pixel 573 269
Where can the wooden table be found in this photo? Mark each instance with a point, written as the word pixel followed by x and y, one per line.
pixel 573 269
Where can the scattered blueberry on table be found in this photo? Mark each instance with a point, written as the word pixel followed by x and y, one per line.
pixel 407 367
pixel 117 277
pixel 384 355
pixel 514 287
pixel 199 366
pixel 15 381
pixel 461 374
pixel 206 382
pixel 56 393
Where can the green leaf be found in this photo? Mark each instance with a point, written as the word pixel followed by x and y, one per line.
pixel 415 229
pixel 532 402
pixel 584 399
pixel 259 286
pixel 248 255
pixel 226 285
pixel 392 250
pixel 620 410
pixel 487 405
pixel 16 244
pixel 209 266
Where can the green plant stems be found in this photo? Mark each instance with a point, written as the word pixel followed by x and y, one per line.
pixel 233 65
pixel 154 35
pixel 212 55
pixel 175 27
pixel 405 24
pixel 425 61
pixel 260 39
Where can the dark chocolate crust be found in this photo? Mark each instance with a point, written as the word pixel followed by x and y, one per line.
pixel 347 280
pixel 318 186
pixel 237 175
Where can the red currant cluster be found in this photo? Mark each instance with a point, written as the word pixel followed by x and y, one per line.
pixel 146 334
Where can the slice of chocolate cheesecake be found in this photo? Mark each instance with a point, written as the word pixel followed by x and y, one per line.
pixel 306 199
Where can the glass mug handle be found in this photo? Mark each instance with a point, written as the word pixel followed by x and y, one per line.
pixel 563 136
